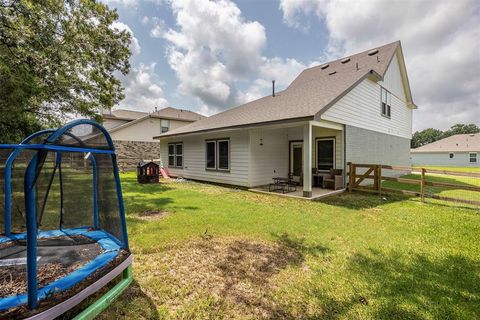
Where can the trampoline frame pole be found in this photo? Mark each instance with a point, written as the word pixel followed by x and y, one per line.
pixel 30 206
pixel 96 223
pixel 121 207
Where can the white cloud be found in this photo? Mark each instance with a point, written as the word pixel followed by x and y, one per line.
pixel 213 49
pixel 440 39
pixel 134 45
pixel 158 28
pixel 143 91
pixel 125 3
pixel 142 86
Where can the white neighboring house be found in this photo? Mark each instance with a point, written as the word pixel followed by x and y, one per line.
pixel 129 125
pixel 132 132
pixel 461 150
pixel 356 109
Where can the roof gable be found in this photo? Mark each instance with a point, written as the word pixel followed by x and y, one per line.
pixel 312 92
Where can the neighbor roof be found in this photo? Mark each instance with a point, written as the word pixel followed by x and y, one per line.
pixel 165 113
pixel 456 143
pixel 312 92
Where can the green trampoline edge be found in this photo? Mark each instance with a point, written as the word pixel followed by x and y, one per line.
pixel 104 301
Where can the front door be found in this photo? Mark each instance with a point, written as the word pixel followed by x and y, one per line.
pixel 296 160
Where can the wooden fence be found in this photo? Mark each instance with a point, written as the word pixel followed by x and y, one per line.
pixel 374 172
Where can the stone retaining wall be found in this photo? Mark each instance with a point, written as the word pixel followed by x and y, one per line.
pixel 129 153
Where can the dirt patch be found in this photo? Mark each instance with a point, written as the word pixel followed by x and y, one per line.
pixel 153 214
pixel 22 312
pixel 236 273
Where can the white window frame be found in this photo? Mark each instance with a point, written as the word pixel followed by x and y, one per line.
pixel 218 154
pixel 162 126
pixel 387 101
pixel 175 155
pixel 216 143
pixel 470 157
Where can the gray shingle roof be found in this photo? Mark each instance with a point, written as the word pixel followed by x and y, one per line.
pixel 456 143
pixel 168 113
pixel 313 91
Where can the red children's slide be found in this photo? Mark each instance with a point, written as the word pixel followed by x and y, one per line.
pixel 164 172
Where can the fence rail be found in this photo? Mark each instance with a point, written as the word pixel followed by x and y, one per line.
pixel 358 181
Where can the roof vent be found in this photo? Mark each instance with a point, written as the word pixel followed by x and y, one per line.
pixel 372 52
pixel 333 72
pixel 345 60
pixel 325 66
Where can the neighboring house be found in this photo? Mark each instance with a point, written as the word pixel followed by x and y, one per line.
pixel 132 131
pixel 460 150
pixel 357 109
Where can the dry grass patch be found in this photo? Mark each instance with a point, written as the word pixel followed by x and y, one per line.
pixel 229 277
pixel 149 215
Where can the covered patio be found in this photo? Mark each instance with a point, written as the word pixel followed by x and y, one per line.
pixel 302 154
pixel 317 193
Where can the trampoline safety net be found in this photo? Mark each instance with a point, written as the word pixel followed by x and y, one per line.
pixel 62 188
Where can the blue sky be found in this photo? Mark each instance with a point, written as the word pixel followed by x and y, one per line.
pixel 209 56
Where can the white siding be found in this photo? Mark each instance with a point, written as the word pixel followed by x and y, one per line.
pixel 361 108
pixel 392 80
pixel 272 158
pixel 460 159
pixel 143 130
pixel 112 123
pixel 194 158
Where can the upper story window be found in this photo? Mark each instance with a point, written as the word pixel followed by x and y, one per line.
pixel 164 125
pixel 175 155
pixel 473 157
pixel 386 98
pixel 217 154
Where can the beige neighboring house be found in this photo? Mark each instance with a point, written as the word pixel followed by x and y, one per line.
pixel 461 150
pixel 132 131
pixel 358 108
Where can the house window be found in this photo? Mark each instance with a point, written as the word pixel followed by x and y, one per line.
pixel 473 157
pixel 325 154
pixel 211 161
pixel 217 154
pixel 451 155
pixel 386 98
pixel 223 154
pixel 175 155
pixel 164 125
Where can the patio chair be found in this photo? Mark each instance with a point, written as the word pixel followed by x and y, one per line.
pixel 333 180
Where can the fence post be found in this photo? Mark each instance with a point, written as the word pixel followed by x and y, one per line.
pixel 350 176
pixel 379 175
pixel 422 185
pixel 375 177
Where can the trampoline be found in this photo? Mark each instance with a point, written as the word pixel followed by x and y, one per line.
pixel 62 223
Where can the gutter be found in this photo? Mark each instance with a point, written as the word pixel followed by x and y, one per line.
pixel 240 126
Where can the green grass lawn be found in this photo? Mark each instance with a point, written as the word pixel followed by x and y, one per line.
pixel 462 169
pixel 451 192
pixel 215 252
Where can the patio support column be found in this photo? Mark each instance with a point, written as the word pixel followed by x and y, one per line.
pixel 307 160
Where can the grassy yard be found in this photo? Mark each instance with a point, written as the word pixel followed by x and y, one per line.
pixel 207 252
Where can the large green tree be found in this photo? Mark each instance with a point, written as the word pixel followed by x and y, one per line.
pixel 430 135
pixel 57 59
